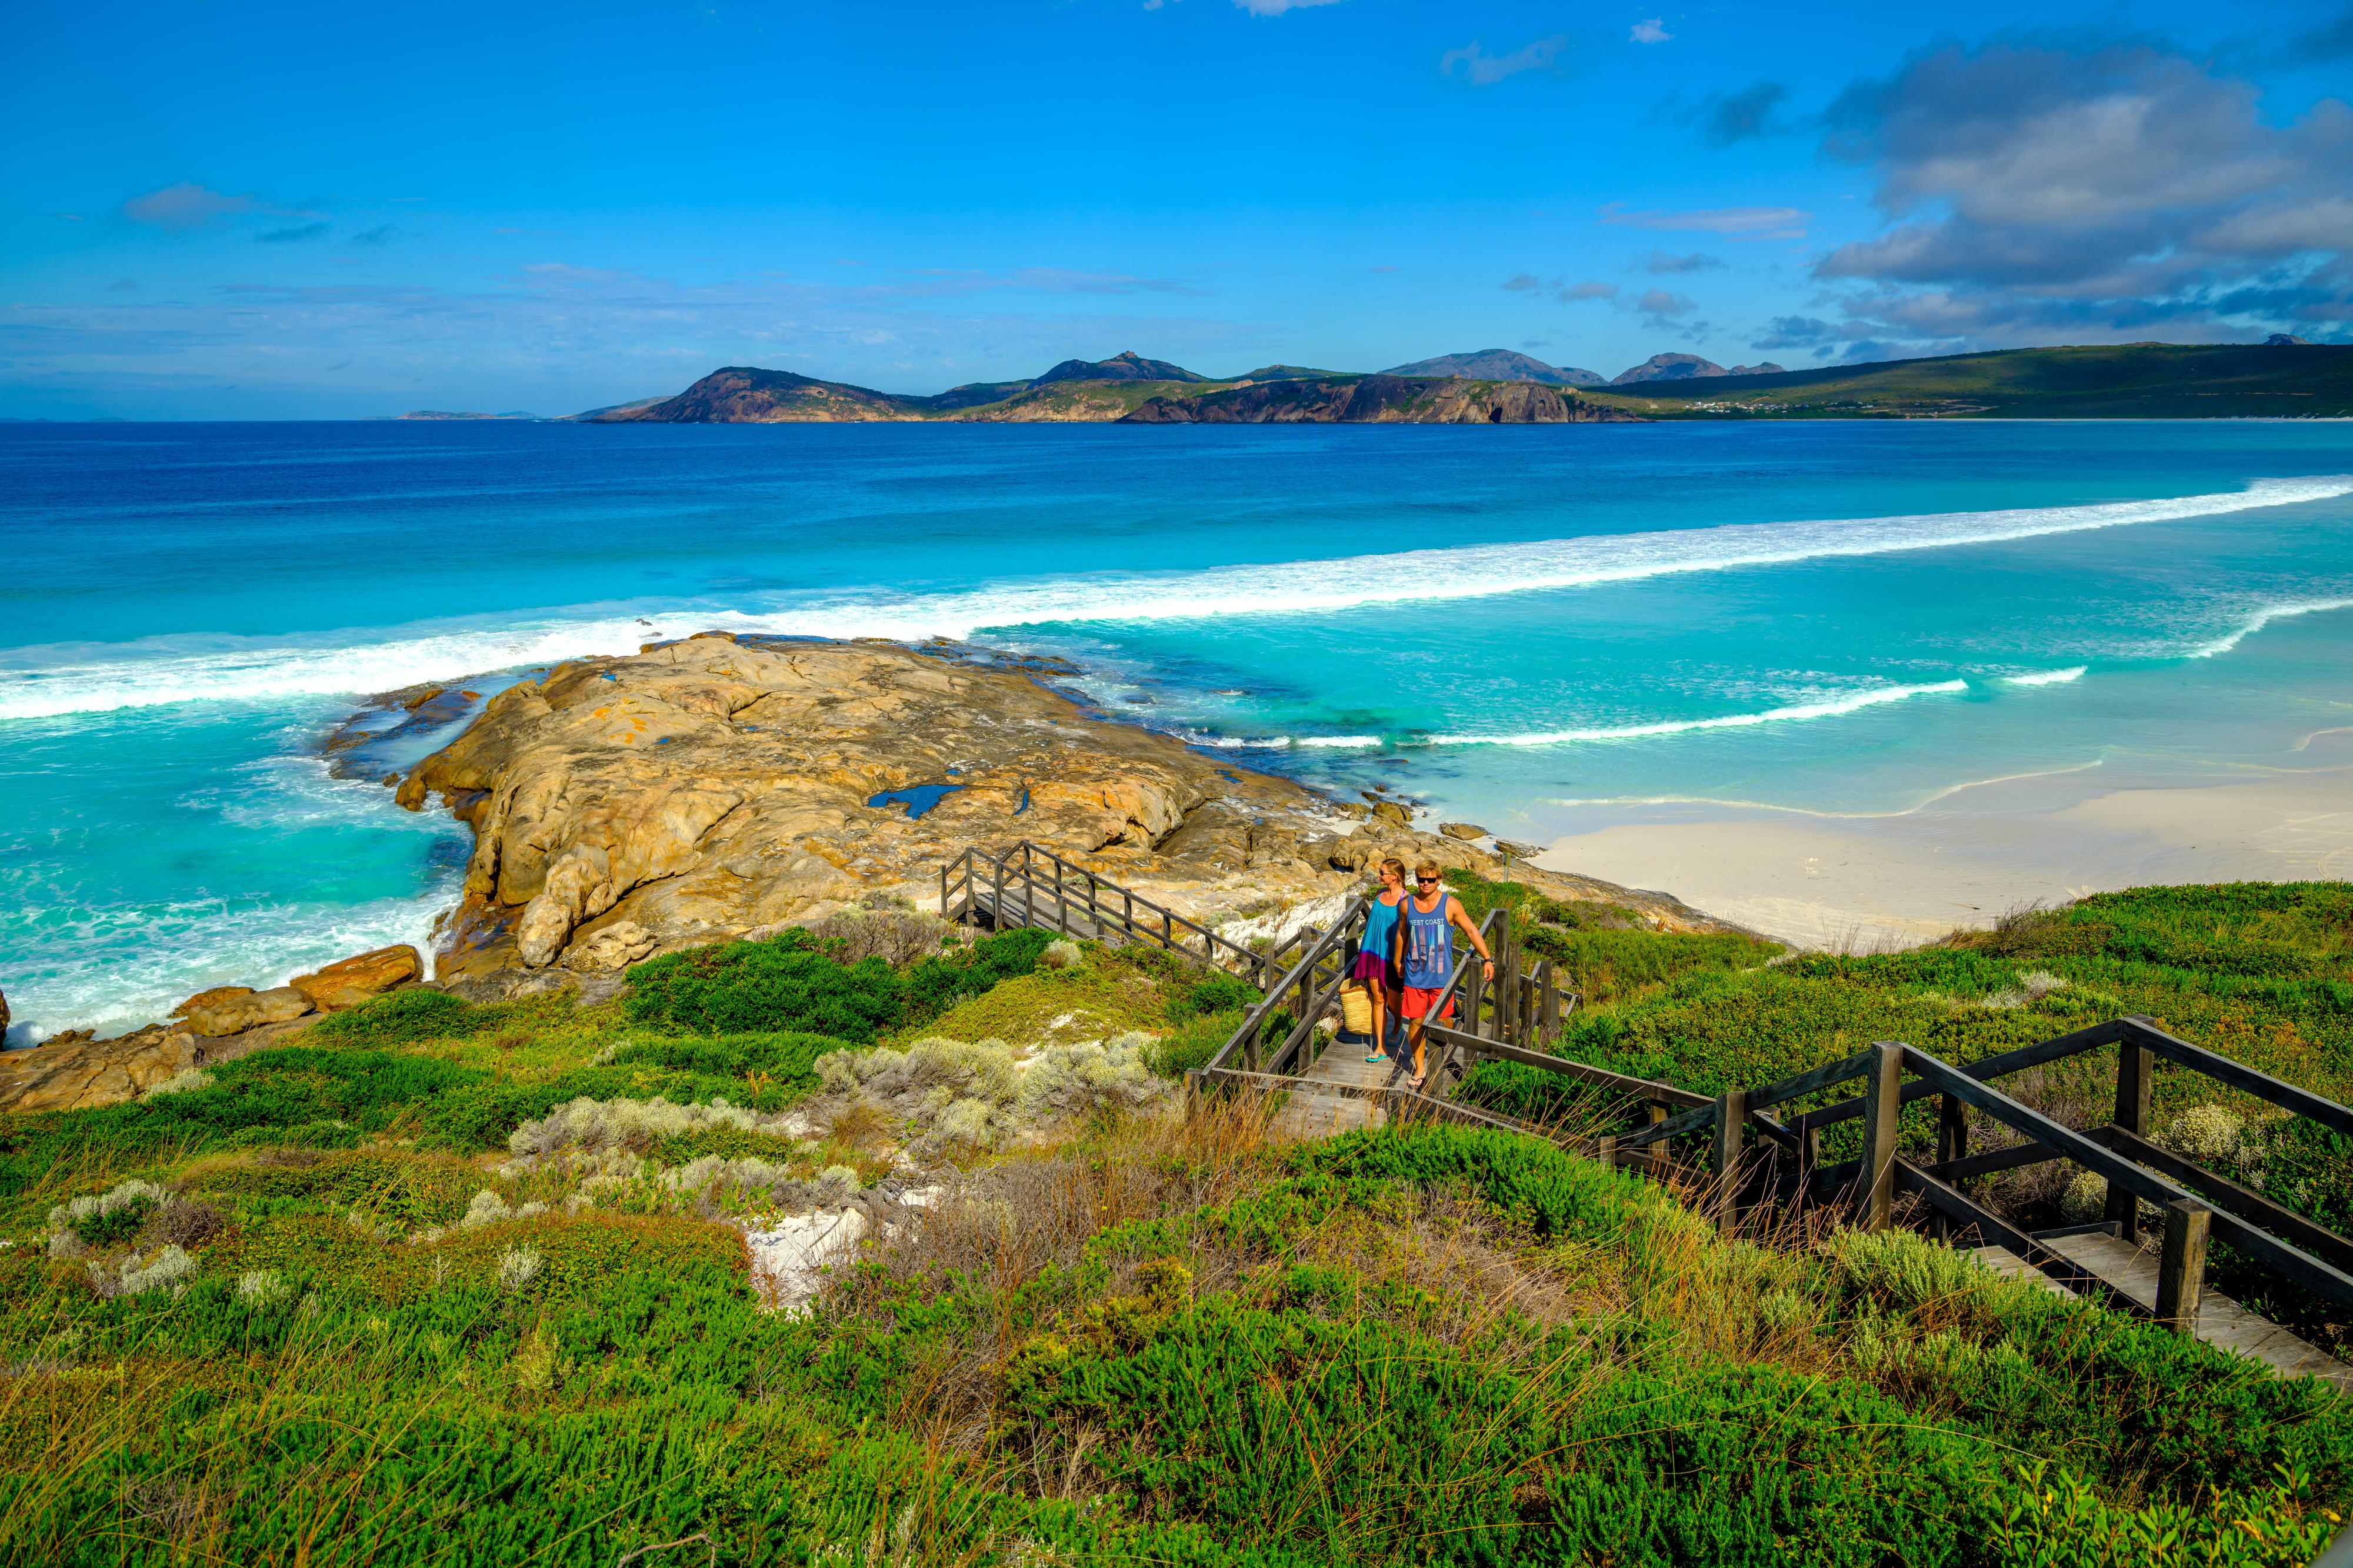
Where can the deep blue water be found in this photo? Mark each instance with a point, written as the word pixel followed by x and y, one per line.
pixel 1534 628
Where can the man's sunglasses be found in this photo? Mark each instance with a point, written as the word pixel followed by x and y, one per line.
pixel 1427 881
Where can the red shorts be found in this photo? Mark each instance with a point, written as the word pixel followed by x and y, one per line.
pixel 1416 1001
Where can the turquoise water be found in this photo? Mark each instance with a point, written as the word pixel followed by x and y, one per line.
pixel 1538 628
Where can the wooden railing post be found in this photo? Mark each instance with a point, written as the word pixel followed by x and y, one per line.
pixel 2134 1062
pixel 1882 1106
pixel 2181 1266
pixel 1605 1149
pixel 1952 1142
pixel 1507 982
pixel 1549 991
pixel 1657 1148
pixel 1731 1132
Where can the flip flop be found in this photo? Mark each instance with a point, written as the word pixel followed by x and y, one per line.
pixel 1378 1056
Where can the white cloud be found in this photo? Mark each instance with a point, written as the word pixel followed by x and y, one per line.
pixel 1483 69
pixel 1741 223
pixel 185 206
pixel 1649 31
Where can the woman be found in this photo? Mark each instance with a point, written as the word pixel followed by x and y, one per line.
pixel 1375 969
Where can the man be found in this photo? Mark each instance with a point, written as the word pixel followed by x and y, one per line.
pixel 1425 953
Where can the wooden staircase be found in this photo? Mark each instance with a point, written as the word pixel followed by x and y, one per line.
pixel 1748 1152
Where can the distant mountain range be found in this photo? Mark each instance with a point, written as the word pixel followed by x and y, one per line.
pixel 1498 365
pixel 1499 386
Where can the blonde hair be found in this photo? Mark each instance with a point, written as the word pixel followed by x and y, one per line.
pixel 1426 868
pixel 1394 864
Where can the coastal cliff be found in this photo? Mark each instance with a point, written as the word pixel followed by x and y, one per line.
pixel 711 787
pixel 1381 400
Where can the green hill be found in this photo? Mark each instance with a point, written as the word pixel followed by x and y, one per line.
pixel 2127 381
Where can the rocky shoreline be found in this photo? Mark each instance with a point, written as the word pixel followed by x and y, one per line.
pixel 724 786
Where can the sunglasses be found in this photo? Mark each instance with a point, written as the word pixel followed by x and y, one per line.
pixel 1427 881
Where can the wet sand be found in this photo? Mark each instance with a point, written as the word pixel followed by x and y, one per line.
pixel 1871 883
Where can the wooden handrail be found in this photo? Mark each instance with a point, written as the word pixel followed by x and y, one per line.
pixel 1031 885
pixel 2281 1257
pixel 2142 1031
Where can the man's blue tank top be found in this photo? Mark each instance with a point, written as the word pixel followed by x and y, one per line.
pixel 1428 943
pixel 1380 924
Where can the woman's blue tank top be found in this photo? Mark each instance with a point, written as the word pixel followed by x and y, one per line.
pixel 1380 924
pixel 1428 943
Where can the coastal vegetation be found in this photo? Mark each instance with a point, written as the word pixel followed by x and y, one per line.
pixel 538 1281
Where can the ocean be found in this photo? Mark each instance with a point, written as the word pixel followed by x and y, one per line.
pixel 1537 629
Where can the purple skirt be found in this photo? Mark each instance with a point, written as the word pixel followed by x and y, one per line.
pixel 1374 967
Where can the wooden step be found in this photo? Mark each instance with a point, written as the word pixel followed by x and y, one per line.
pixel 2220 1320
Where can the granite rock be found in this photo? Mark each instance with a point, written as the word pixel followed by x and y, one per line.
pixel 235 1015
pixel 1461 830
pixel 348 982
pixel 72 1075
pixel 710 787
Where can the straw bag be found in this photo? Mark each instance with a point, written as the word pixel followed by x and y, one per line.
pixel 1356 1007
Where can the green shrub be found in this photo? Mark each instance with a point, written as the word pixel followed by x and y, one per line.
pixel 788 1058
pixel 778 984
pixel 1192 1043
pixel 402 1019
pixel 938 983
pixel 1215 991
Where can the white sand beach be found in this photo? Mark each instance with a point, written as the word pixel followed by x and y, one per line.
pixel 1866 883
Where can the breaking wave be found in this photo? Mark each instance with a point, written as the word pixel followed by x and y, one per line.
pixel 55 682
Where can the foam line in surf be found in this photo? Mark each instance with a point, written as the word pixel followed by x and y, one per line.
pixel 50 683
pixel 2262 618
pixel 1828 708
pixel 2046 676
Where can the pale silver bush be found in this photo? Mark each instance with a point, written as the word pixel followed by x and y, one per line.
pixel 600 1124
pixel 489 1208
pixel 1060 953
pixel 66 1216
pixel 2033 987
pixel 1091 1076
pixel 984 1071
pixel 518 1266
pixel 262 1286
pixel 187 1083
pixel 170 1265
pixel 2085 1199
pixel 2206 1133
pixel 899 937
pixel 759 1183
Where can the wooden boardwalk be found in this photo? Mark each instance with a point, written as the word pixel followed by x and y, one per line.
pixel 2220 1320
pixel 1311 1114
pixel 1326 1087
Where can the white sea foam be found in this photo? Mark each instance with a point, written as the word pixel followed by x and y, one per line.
pixel 1285 743
pixel 1828 708
pixel 2046 676
pixel 53 682
pixel 2264 617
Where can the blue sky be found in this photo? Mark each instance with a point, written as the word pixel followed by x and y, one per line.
pixel 242 211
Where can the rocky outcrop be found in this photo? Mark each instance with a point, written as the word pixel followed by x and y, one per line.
pixel 713 786
pixel 349 981
pixel 233 1009
pixel 73 1074
pixel 1381 400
